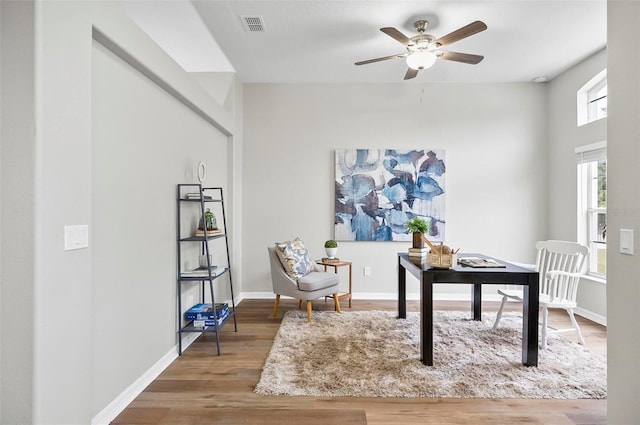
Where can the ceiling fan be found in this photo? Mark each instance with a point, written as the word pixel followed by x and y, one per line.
pixel 424 49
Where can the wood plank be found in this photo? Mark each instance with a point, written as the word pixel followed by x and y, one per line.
pixel 202 416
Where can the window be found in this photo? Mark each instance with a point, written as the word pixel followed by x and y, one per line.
pixel 592 205
pixel 597 101
pixel 592 99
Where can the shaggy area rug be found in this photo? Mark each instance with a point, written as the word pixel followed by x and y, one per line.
pixel 375 354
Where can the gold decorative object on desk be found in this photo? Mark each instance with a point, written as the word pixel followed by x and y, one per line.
pixel 440 256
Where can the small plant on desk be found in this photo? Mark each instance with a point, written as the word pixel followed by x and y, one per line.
pixel 418 226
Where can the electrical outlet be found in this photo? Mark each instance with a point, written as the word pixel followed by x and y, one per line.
pixel 366 271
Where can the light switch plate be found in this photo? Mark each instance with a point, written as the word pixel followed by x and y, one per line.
pixel 626 241
pixel 76 237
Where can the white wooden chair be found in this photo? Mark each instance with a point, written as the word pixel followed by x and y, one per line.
pixel 559 264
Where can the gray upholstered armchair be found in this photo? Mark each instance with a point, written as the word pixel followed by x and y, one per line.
pixel 315 284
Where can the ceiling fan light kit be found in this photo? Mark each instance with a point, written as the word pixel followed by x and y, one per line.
pixel 421 59
pixel 424 49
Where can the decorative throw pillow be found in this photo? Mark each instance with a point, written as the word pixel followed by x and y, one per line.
pixel 295 258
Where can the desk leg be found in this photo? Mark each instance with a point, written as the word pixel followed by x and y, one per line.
pixel 402 291
pixel 426 319
pixel 530 322
pixel 477 301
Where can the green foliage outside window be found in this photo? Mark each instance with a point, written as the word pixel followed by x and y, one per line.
pixel 602 184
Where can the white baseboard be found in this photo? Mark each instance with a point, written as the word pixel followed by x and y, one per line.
pixel 125 398
pixel 116 407
pixel 256 296
pixel 381 296
pixel 416 296
pixel 594 317
pixel 602 320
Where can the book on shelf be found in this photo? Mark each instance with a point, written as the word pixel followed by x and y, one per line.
pixel 204 272
pixel 197 195
pixel 479 262
pixel 222 310
pixel 330 260
pixel 204 311
pixel 210 232
pixel 211 322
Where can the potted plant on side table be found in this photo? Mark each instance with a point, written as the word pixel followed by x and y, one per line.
pixel 331 248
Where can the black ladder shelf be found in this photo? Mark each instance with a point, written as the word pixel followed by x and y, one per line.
pixel 189 202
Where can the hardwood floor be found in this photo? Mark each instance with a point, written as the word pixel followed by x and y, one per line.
pixel 203 388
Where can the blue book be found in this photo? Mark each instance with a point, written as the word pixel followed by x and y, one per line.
pixel 205 311
pixel 211 322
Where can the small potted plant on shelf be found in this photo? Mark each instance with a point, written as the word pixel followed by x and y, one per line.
pixel 207 222
pixel 331 248
pixel 418 226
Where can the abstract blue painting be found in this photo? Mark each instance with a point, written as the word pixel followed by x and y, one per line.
pixel 378 190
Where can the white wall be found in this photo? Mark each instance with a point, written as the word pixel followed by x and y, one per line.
pixel 623 203
pixel 227 90
pixel 17 166
pixel 62 197
pixel 115 130
pixel 564 137
pixel 495 141
pixel 144 142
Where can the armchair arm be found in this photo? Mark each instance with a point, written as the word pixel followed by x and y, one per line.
pixel 555 274
pixel 561 286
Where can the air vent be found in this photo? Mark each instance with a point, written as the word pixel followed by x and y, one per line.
pixel 253 23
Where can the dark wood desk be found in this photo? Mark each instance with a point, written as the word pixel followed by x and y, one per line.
pixel 511 275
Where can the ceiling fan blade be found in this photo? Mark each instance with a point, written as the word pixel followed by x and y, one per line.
pixel 464 32
pixel 461 57
pixel 397 35
pixel 380 59
pixel 411 73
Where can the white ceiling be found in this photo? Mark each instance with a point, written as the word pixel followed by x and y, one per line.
pixel 309 41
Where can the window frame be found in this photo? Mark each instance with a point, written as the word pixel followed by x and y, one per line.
pixel 597 100
pixel 590 99
pixel 589 209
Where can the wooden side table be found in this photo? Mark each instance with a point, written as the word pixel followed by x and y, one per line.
pixel 336 265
